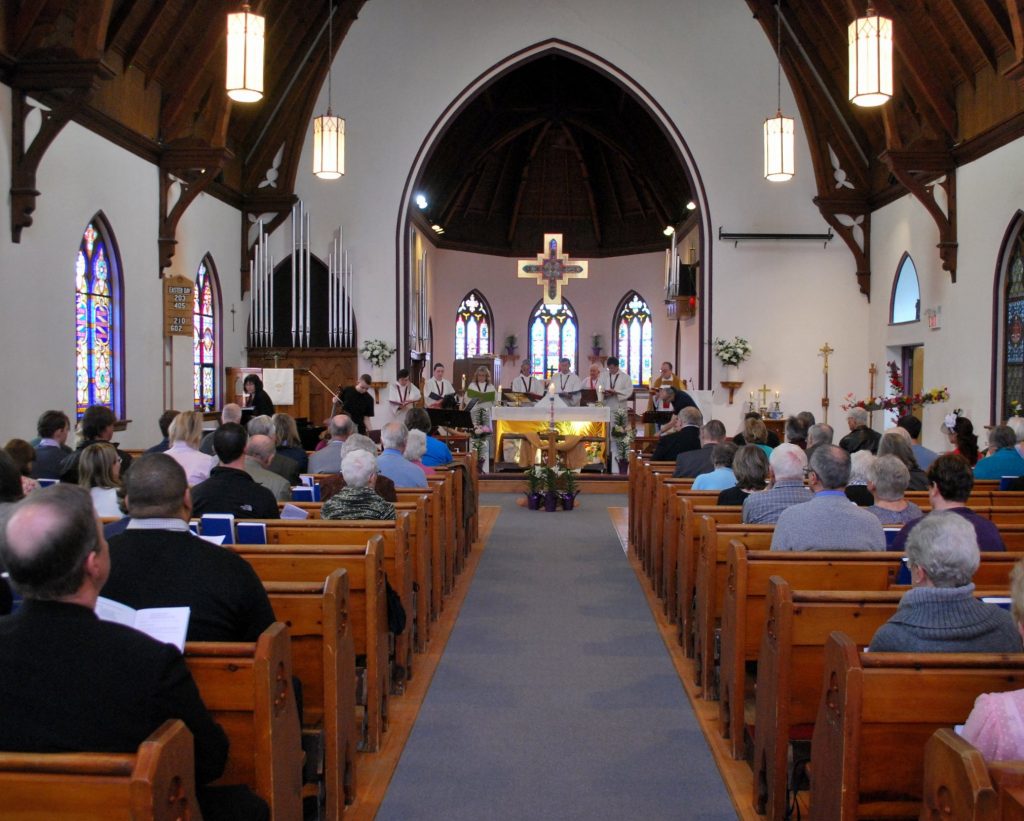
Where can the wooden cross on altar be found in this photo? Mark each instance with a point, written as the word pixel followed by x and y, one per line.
pixel 553 270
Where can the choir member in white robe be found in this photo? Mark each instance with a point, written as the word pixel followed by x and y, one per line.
pixel 567 384
pixel 617 384
pixel 526 383
pixel 437 388
pixel 402 395
pixel 482 394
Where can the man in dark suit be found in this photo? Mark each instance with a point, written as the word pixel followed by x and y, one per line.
pixel 74 683
pixel 51 451
pixel 685 439
pixel 157 562
pixel 692 463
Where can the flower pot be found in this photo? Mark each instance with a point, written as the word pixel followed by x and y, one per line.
pixel 568 501
pixel 595 351
pixel 551 501
pixel 532 501
pixel 623 467
pixel 731 373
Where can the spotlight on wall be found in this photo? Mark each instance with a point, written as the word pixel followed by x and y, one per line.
pixel 421 202
pixel 669 231
pixel 691 206
pixel 437 229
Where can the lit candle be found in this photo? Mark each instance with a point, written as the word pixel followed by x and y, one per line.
pixel 551 388
pixel 776 396
pixel 751 393
pixel 499 394
pixel 464 383
pixel 600 393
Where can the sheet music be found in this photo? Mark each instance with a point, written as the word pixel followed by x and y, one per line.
pixel 279 383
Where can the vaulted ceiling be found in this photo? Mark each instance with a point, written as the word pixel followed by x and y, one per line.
pixel 549 140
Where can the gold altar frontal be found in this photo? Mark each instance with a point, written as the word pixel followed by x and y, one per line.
pixel 582 440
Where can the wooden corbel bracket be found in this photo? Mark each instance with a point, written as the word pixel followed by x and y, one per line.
pixel 184 173
pixel 258 204
pixel 850 218
pixel 915 170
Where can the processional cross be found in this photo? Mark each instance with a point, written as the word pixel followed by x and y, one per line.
pixel 825 351
pixel 553 270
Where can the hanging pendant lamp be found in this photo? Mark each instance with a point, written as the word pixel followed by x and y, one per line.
pixel 328 130
pixel 779 131
pixel 244 79
pixel 870 40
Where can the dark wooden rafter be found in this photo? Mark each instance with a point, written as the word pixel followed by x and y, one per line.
pixel 182 97
pixel 996 10
pixel 914 169
pixel 951 44
pixel 585 176
pixel 118 20
pixel 978 38
pixel 143 32
pixel 524 178
pixel 858 217
pixel 192 168
pixel 169 51
pixel 25 19
pixel 1015 9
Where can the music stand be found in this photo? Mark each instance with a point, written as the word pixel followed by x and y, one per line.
pixel 450 419
pixel 588 397
pixel 657 417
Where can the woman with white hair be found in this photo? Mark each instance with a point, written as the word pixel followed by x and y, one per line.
pixel 888 478
pixel 857 488
pixel 358 499
pixel 1016 424
pixel 415 447
pixel 184 435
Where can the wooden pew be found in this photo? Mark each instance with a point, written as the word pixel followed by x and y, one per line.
pixel 675 530
pixel 877 711
pixel 959 784
pixel 445 486
pixel 323 659
pixel 364 568
pixel 156 783
pixel 247 687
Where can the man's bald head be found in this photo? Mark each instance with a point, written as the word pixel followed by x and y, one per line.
pixel 261 448
pixel 47 539
pixel 341 426
pixel 231 413
pixel 157 488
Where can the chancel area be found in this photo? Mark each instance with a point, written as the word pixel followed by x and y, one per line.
pixel 597 407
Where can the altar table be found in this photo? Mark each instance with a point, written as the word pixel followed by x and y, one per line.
pixel 581 423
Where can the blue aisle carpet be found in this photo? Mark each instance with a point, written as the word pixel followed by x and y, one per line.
pixel 555 697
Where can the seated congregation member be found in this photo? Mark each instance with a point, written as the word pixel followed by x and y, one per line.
pixel 857 485
pixel 358 499
pixel 402 395
pixel 693 463
pixel 912 425
pixel 416 448
pixel 289 444
pixel 755 432
pixel 996 724
pixel 259 453
pixel 772 439
pixel 329 485
pixel 53 427
pixel 230 489
pixel 750 467
pixel 11 489
pixel 256 398
pixel 97 425
pixel 819 434
pixel 786 468
pixel 392 462
pixel 888 479
pixel 1016 424
pixel 281 465
pixel 951 482
pixel 164 423
pixel 806 418
pixel 796 432
pixel 359 403
pixel 24 455
pixel 437 451
pixel 721 475
pixel 185 434
pixel 685 439
pixel 860 437
pixel 328 458
pixel 157 562
pixel 99 472
pixel 436 388
pixel 229 413
pixel 1003 458
pixel 86 685
pixel 897 442
pixel 959 430
pixel 828 521
pixel 940 614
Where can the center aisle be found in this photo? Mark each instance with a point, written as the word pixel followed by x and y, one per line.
pixel 555 697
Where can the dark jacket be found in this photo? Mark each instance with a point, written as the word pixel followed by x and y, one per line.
pixel 986 532
pixel 693 463
pixel 670 446
pixel 862 438
pixel 69 470
pixel 49 462
pixel 233 491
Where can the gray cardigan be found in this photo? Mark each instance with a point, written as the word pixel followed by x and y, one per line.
pixel 947 620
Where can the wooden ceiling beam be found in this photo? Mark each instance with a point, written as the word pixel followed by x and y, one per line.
pixel 585 174
pixel 143 32
pixel 996 10
pixel 24 22
pixel 1015 8
pixel 181 98
pixel 972 28
pixel 523 179
pixel 169 49
pixel 950 40
pixel 118 21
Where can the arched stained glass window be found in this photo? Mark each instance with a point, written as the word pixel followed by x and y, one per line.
pixel 634 338
pixel 1013 327
pixel 553 335
pixel 906 293
pixel 473 327
pixel 205 351
pixel 99 368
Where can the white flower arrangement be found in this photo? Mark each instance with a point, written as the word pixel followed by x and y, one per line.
pixel 622 434
pixel 376 352
pixel 731 352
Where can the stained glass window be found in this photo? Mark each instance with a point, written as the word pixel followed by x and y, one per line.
pixel 1013 327
pixel 204 339
pixel 473 327
pixel 906 293
pixel 634 338
pixel 98 365
pixel 553 335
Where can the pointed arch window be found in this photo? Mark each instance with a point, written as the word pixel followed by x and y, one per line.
pixel 205 336
pixel 905 305
pixel 1013 327
pixel 553 334
pixel 634 337
pixel 99 321
pixel 473 322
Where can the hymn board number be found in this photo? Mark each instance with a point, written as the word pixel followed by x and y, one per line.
pixel 552 270
pixel 179 303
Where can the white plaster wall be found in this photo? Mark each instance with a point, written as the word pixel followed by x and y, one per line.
pixel 959 354
pixel 81 174
pixel 708 65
